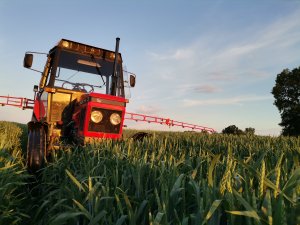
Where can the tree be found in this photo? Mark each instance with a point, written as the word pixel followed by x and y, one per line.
pixel 287 99
pixel 249 131
pixel 232 129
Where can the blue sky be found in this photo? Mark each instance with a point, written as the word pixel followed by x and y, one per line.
pixel 210 63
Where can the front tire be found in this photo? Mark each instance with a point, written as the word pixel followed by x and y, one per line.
pixel 36 146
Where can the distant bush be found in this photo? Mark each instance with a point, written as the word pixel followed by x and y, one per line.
pixel 232 129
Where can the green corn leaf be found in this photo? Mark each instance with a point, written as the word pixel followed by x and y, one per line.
pixel 247 206
pixel 158 218
pixel 252 214
pixel 97 218
pixel 83 210
pixel 128 204
pixel 45 203
pixel 280 214
pixel 122 220
pixel 158 200
pixel 119 204
pixel 211 169
pixel 185 221
pixel 90 183
pixel 56 205
pixel 142 210
pixel 292 182
pixel 75 181
pixel 64 217
pixel 268 183
pixel 266 207
pixel 177 183
pixel 211 211
pixel 92 191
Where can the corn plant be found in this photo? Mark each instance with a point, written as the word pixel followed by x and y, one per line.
pixel 169 178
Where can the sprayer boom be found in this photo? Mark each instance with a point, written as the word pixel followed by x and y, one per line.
pixel 26 103
pixel 20 102
pixel 166 121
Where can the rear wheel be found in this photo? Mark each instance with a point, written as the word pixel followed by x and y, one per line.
pixel 36 146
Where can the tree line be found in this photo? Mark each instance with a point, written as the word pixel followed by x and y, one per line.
pixel 233 129
pixel 287 99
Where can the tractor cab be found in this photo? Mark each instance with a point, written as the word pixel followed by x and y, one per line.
pixel 81 97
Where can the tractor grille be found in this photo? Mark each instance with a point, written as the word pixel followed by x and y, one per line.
pixel 105 125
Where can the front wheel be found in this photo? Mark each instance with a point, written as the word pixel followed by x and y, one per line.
pixel 36 146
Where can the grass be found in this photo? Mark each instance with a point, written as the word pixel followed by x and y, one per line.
pixel 168 178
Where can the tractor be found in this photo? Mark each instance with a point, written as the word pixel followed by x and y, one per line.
pixel 67 109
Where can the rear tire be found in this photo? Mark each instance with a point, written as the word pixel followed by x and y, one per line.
pixel 36 146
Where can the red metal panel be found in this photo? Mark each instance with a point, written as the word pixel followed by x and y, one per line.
pixel 109 97
pixel 88 133
pixel 39 109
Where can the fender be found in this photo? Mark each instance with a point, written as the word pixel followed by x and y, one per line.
pixel 39 109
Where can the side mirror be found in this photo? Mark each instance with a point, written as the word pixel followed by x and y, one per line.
pixel 132 80
pixel 35 88
pixel 28 60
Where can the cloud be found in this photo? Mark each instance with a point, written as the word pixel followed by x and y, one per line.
pixel 178 54
pixel 221 76
pixel 206 89
pixel 225 101
pixel 239 55
pixel 276 37
pixel 149 110
pixel 202 88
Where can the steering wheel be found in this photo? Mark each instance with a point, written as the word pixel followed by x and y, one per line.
pixel 79 86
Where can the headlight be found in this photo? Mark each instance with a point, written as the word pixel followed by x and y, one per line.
pixel 96 116
pixel 115 119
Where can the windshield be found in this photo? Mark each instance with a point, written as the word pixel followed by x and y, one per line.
pixel 85 73
pixel 81 81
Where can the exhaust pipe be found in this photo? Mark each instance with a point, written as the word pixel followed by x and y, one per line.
pixel 115 75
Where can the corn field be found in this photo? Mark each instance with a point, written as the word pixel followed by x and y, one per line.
pixel 168 178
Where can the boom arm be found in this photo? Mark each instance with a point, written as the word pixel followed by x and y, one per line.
pixel 165 121
pixel 20 102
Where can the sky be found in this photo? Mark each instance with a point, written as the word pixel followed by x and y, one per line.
pixel 211 63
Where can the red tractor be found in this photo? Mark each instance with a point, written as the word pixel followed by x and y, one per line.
pixel 67 109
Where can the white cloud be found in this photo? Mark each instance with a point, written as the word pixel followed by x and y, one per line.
pixel 225 101
pixel 242 56
pixel 149 110
pixel 199 88
pixel 184 53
